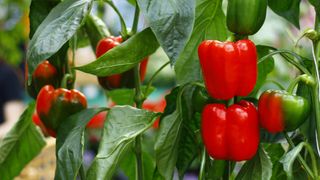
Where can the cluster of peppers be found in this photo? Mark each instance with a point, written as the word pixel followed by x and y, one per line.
pixel 53 104
pixel 230 69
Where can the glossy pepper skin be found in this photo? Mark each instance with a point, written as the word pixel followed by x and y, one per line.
pixel 55 105
pixel 118 80
pixel 280 111
pixel 44 74
pixel 245 17
pixel 229 68
pixel 230 133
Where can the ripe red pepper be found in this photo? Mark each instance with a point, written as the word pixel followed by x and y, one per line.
pixel 229 69
pixel 55 105
pixel 118 80
pixel 44 74
pixel 230 133
pixel 37 121
pixel 97 122
pixel 280 110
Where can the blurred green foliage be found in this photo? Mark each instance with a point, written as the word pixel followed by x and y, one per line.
pixel 14 27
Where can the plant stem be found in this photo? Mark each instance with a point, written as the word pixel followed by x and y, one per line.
pixel 304 78
pixel 82 172
pixel 139 167
pixel 124 31
pixel 316 93
pixel 136 19
pixel 154 75
pixel 313 159
pixel 301 160
pixel 290 60
pixel 139 98
pixel 203 165
pixel 275 83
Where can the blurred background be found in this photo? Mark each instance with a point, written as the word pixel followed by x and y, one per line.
pixel 14 37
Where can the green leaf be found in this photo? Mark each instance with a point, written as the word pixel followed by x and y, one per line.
pixel 264 68
pixel 260 167
pixel 70 143
pixel 171 21
pixel 96 30
pixel 176 144
pixel 210 23
pixel 126 96
pixel 128 165
pixel 125 56
pixel 188 145
pixel 39 10
pixel 215 169
pixel 275 152
pixel 124 124
pixel 57 28
pixel 22 143
pixel 288 159
pixel 288 9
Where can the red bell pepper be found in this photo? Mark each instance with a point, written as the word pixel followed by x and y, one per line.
pixel 229 69
pixel 44 74
pixel 117 80
pixel 55 105
pixel 230 133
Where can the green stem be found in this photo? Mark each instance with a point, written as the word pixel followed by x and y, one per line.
pixel 300 159
pixel 290 60
pixel 275 83
pixel 82 172
pixel 124 31
pixel 139 98
pixel 304 78
pixel 135 20
pixel 154 75
pixel 316 93
pixel 203 165
pixel 67 81
pixel 313 158
pixel 138 152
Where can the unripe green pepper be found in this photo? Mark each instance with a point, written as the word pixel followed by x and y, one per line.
pixel 245 17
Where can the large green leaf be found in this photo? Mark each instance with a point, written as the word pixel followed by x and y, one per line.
pixel 124 124
pixel 210 23
pixel 260 167
pixel 39 10
pixel 70 143
pixel 171 21
pixel 288 9
pixel 55 30
pixel 125 56
pixel 22 143
pixel 176 144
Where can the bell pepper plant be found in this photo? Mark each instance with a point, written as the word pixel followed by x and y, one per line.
pixel 230 113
